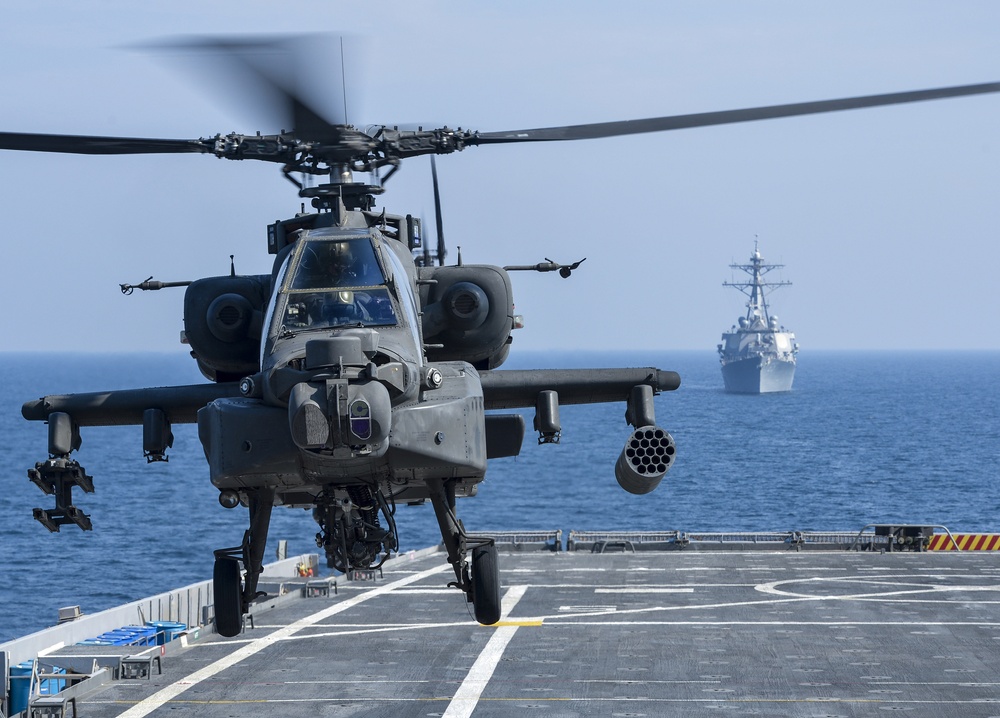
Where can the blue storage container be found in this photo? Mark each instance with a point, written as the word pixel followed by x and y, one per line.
pixel 20 687
pixel 166 631
pixel 175 630
pixel 127 636
pixel 117 638
pixel 145 635
pixel 51 686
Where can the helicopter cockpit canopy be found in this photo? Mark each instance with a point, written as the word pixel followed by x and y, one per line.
pixel 334 282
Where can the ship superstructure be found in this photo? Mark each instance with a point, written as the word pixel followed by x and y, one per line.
pixel 757 354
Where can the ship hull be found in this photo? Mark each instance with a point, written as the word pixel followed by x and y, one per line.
pixel 758 375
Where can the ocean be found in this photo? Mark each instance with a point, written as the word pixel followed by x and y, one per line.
pixel 879 437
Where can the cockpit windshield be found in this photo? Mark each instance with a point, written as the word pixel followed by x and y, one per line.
pixel 336 264
pixel 333 283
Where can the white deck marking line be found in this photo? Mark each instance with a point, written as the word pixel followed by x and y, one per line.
pixel 753 701
pixel 770 588
pixel 150 704
pixel 380 629
pixel 774 588
pixel 467 696
pixel 546 586
pixel 643 589
pixel 765 624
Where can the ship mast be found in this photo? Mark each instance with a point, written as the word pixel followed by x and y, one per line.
pixel 757 288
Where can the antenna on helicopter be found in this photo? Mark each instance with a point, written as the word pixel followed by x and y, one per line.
pixel 426 248
pixel 343 78
pixel 441 251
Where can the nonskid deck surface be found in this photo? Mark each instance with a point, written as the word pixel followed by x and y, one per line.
pixel 626 634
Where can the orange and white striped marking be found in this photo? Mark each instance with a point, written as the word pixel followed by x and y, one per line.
pixel 966 542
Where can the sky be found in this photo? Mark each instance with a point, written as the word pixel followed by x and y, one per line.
pixel 886 220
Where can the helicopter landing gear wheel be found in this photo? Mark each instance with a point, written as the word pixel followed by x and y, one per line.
pixel 228 596
pixel 486 584
pixel 481 584
pixel 234 594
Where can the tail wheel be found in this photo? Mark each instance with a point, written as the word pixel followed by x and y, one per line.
pixel 486 584
pixel 228 597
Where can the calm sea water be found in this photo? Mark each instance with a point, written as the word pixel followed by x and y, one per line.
pixel 863 438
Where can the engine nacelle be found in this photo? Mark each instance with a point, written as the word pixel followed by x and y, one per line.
pixel 645 460
pixel 223 318
pixel 468 310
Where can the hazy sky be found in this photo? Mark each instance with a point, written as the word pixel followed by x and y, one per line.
pixel 887 219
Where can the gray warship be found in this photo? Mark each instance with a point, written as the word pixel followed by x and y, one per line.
pixel 757 355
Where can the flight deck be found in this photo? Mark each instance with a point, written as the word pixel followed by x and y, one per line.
pixel 607 629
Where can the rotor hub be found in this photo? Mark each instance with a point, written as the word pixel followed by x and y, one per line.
pixel 354 195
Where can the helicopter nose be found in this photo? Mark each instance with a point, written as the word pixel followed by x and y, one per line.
pixel 307 419
pixel 362 421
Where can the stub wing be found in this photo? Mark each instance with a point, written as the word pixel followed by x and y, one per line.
pixel 180 404
pixel 155 409
pixel 519 388
pixel 649 451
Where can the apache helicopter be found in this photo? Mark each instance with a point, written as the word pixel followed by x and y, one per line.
pixel 357 375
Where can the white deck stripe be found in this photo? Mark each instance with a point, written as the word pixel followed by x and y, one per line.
pixel 150 704
pixel 467 696
pixel 642 589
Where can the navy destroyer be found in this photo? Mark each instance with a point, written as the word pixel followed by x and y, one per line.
pixel 757 355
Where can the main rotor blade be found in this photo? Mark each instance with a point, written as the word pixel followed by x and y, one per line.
pixel 271 73
pixel 704 119
pixel 91 145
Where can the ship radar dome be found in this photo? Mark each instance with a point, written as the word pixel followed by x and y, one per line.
pixel 743 322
